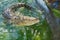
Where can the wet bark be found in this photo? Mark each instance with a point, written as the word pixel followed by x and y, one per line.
pixel 52 21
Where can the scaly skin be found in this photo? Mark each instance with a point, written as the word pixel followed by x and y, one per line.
pixel 11 17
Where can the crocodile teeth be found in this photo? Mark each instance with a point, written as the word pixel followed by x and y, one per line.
pixel 28 21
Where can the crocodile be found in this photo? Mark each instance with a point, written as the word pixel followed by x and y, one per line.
pixel 17 18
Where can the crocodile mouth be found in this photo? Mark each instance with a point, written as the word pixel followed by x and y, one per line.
pixel 27 21
pixel 18 18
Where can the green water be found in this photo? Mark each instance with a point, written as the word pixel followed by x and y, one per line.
pixel 39 31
